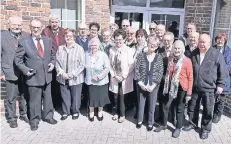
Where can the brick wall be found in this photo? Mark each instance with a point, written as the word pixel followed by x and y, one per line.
pixel 198 12
pixel 98 11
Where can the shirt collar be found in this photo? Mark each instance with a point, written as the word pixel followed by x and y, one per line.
pixel 71 46
pixel 17 36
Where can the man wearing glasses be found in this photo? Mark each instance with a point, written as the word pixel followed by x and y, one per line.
pixel 35 59
pixel 152 29
pixel 10 73
pixel 125 25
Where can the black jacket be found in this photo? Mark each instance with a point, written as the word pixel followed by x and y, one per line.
pixel 211 73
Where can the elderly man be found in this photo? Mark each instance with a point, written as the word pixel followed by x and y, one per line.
pixel 82 39
pixel 152 29
pixel 54 32
pixel 191 28
pixel 125 24
pixel 160 30
pixel 106 44
pixel 193 42
pixel 10 73
pixel 34 57
pixel 209 71
pixel 131 37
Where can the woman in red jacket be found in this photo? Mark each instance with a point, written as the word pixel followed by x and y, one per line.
pixel 178 86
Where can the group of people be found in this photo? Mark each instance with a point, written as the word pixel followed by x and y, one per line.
pixel 130 66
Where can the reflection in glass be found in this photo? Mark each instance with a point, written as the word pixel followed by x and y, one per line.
pixel 133 17
pixel 167 3
pixel 141 3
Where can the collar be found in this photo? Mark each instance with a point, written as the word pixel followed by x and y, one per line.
pixel 15 35
pixel 55 32
pixel 35 38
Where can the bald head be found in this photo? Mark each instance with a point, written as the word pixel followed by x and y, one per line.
pixel 204 43
pixel 15 24
pixel 83 30
pixel 125 24
pixel 160 30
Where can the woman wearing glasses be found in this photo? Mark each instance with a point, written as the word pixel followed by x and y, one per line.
pixel 121 70
pixel 97 69
pixel 70 63
pixel 94 29
pixel 148 74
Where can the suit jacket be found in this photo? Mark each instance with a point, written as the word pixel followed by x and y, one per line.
pixel 61 41
pixel 8 48
pixel 27 57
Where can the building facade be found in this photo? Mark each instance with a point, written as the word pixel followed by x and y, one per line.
pixel 210 16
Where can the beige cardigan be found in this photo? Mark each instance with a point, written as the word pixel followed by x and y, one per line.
pixel 127 66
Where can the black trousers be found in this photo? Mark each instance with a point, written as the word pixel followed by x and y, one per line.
pixel 15 90
pixel 119 106
pixel 39 95
pixel 208 102
pixel 219 105
pixel 55 91
pixel 71 98
pixel 179 104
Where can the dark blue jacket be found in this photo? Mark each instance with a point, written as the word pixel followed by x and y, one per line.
pixel 227 56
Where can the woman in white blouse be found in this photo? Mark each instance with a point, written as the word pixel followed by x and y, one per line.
pixel 121 70
pixel 70 66
pixel 97 69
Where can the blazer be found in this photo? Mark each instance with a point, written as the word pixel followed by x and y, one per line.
pixel 98 67
pixel 76 62
pixel 61 41
pixel 27 57
pixel 9 45
pixel 211 73
pixel 127 67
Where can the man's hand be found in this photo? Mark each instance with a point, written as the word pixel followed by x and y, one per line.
pixel 30 72
pixel 3 78
pixel 50 67
pixel 142 86
pixel 219 90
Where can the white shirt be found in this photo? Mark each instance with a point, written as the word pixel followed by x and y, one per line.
pixel 202 56
pixel 36 42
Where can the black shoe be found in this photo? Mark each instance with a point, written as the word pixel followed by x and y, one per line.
pixel 204 135
pixel 13 124
pixel 34 127
pixel 160 128
pixel 149 128
pixel 51 121
pixel 64 117
pixel 138 126
pixel 24 118
pixel 216 119
pixel 176 133
pixel 100 118
pixel 76 116
pixel 90 119
pixel 189 127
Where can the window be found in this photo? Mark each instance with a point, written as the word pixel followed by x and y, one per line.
pixel 70 12
pixel 167 3
pixel 141 3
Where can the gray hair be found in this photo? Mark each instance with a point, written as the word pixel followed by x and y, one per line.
pixel 170 34
pixel 13 18
pixel 54 17
pixel 180 44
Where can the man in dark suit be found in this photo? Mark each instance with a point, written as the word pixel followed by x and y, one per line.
pixel 83 39
pixel 34 57
pixel 209 72
pixel 56 33
pixel 10 73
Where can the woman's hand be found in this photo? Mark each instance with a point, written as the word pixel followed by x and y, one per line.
pixel 95 78
pixel 150 88
pixel 142 86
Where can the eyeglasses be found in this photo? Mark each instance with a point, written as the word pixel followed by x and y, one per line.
pixel 130 33
pixel 93 30
pixel 33 27
pixel 118 40
pixel 125 25
pixel 152 29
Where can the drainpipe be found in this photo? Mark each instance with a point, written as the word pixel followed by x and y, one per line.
pixel 213 16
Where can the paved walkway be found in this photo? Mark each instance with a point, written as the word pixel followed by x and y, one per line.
pixel 82 131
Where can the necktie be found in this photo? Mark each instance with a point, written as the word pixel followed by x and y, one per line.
pixel 39 47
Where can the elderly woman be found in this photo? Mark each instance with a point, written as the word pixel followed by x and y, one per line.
pixel 70 66
pixel 113 27
pixel 177 86
pixel 221 40
pixel 193 42
pixel 97 69
pixel 94 29
pixel 148 74
pixel 107 43
pixel 121 70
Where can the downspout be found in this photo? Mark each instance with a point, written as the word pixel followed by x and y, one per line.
pixel 213 16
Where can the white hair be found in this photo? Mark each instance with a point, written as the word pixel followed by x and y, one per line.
pixel 170 34
pixel 180 44
pixel 14 18
pixel 54 17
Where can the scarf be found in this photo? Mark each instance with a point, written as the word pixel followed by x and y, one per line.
pixel 116 63
pixel 174 84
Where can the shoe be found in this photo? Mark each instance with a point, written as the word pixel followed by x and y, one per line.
pixel 24 118
pixel 100 118
pixel 122 119
pixel 176 133
pixel 204 135
pixel 91 119
pixel 216 119
pixel 189 127
pixel 138 125
pixel 149 128
pixel 160 128
pixel 51 121
pixel 115 117
pixel 75 116
pixel 33 127
pixel 64 117
pixel 13 124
